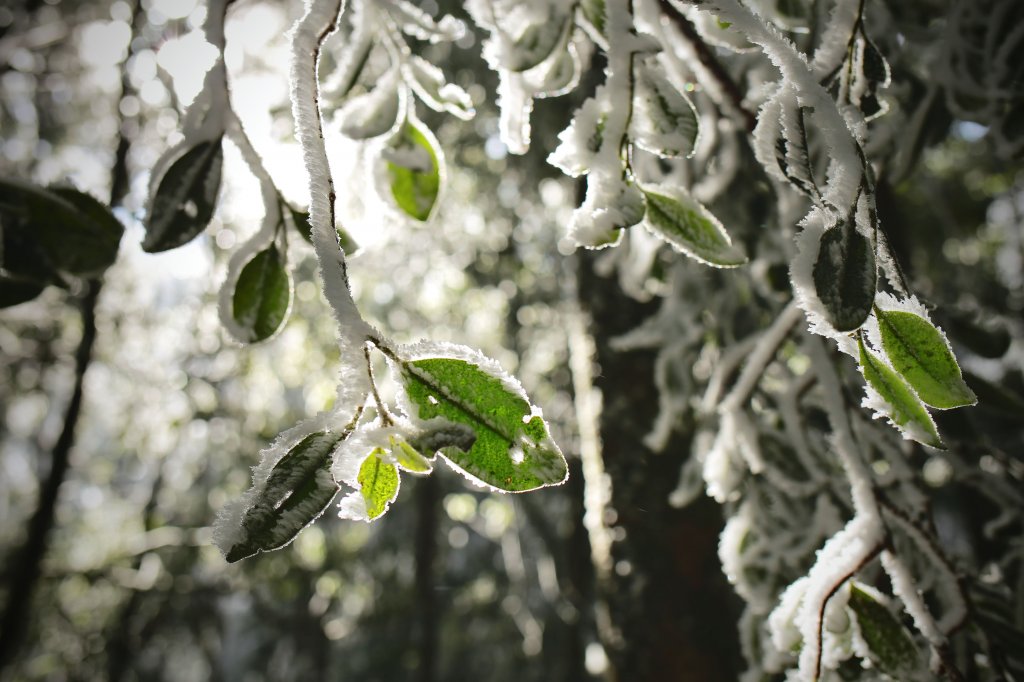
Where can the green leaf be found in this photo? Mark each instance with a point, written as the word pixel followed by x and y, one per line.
pixel 185 198
pixel 901 406
pixel 919 352
pixel 687 225
pixel 262 296
pixel 298 489
pixel 300 219
pixel 513 450
pixel 57 229
pixel 408 457
pixel 889 642
pixel 414 170
pixel 594 12
pixel 664 121
pixel 378 480
pixel 845 276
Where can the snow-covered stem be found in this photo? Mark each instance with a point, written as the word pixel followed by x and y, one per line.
pixel 309 34
pixel 758 361
pixel 844 181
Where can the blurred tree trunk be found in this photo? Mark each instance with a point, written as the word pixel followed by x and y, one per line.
pixel 673 612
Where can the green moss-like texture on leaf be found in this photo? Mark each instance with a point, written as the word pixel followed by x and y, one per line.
pixel 513 450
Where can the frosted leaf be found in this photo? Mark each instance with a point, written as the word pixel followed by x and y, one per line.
pixel 686 224
pixel 580 142
pixel 537 41
pixel 262 296
pixel 512 450
pixel 890 397
pixel 429 84
pixel 417 23
pixel 611 205
pixel 887 642
pixel 184 196
pixel 410 171
pixel 556 75
pixel 664 120
pixel 291 488
pixel 376 112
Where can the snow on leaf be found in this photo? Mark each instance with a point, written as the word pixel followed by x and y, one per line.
pixel 689 227
pixel 664 120
pixel 889 643
pixel 513 450
pixel 413 166
pixel 262 296
pixel 429 84
pixel 185 198
pixel 537 42
pixel 408 457
pixel 580 142
pixel 417 23
pixel 611 205
pixel 373 113
pixel 922 356
pixel 378 482
pixel 295 492
pixel 890 397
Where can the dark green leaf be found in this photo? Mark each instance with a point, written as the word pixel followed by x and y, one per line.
pixel 185 198
pixel 922 356
pixel 889 642
pixel 845 276
pixel 57 229
pixel 379 482
pixel 298 489
pixel 687 225
pixel 513 450
pixel 262 296
pixel 901 406
pixel 414 171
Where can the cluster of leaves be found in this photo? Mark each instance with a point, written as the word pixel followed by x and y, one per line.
pixel 51 237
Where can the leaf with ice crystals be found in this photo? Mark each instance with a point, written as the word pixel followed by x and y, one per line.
pixel 580 142
pixel 845 275
pixel 889 643
pixel 512 450
pixel 373 113
pixel 683 222
pixel 185 197
pixel 922 356
pixel 664 121
pixel 417 23
pixel 285 498
pixel 889 396
pixel 412 161
pixel 611 205
pixel 429 84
